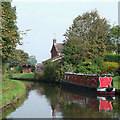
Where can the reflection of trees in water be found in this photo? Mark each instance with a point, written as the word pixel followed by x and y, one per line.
pixel 52 93
pixel 116 107
pixel 29 86
pixel 79 104
pixel 86 106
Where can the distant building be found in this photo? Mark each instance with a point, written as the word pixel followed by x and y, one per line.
pixel 56 52
pixel 26 68
pixel 57 49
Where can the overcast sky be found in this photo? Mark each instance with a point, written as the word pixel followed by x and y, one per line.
pixel 49 19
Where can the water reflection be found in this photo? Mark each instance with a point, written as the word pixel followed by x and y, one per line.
pixel 84 105
pixel 52 101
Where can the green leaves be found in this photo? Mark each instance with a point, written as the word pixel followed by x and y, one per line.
pixel 9 30
pixel 86 38
pixel 32 60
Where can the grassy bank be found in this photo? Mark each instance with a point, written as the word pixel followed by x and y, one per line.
pixel 11 93
pixel 23 75
pixel 116 82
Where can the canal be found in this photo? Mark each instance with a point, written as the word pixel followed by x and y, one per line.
pixel 52 101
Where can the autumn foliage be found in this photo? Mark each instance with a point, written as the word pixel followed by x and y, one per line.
pixel 9 31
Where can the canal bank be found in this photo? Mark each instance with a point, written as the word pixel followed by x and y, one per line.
pixel 30 77
pixel 12 92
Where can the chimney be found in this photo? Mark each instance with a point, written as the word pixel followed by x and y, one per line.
pixel 54 40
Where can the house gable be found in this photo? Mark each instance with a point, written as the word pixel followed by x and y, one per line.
pixel 54 51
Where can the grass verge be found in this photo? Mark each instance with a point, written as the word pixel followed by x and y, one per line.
pixel 17 91
pixel 23 75
pixel 116 82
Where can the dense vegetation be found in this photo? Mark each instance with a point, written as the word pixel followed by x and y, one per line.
pixel 109 57
pixel 10 38
pixel 116 82
pixel 87 42
pixel 12 59
pixel 90 47
pixel 9 31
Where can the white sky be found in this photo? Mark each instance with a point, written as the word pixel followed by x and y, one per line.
pixel 51 19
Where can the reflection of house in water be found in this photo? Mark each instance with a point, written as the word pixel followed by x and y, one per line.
pixel 56 110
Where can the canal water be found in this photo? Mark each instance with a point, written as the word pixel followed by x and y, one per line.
pixel 53 101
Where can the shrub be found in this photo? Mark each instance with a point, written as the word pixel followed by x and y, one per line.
pixel 49 73
pixel 110 67
pixel 87 68
pixel 111 57
pixel 38 75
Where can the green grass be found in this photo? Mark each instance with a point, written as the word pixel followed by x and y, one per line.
pixel 116 82
pixel 10 95
pixel 5 85
pixel 23 75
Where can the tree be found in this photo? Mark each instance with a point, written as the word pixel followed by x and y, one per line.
pixel 85 39
pixel 32 60
pixel 9 31
pixel 113 42
pixel 20 58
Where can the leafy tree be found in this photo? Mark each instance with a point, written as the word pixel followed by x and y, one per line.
pixel 32 60
pixel 9 31
pixel 18 60
pixel 113 42
pixel 21 58
pixel 85 39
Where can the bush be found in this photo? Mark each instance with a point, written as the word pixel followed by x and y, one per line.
pixel 87 68
pixel 49 73
pixel 110 67
pixel 111 57
pixel 39 75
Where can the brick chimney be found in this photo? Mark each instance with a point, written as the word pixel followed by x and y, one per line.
pixel 54 40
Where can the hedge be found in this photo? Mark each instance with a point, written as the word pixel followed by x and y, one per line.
pixel 112 58
pixel 110 67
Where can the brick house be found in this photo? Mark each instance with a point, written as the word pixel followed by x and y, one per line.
pixel 56 52
pixel 26 68
pixel 57 49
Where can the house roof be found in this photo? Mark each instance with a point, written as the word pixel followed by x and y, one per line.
pixel 59 47
pixel 53 59
pixel 26 65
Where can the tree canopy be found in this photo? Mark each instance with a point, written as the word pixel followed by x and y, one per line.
pixel 85 39
pixel 32 60
pixel 113 39
pixel 9 31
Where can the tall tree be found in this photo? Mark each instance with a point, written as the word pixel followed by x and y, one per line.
pixel 113 39
pixel 9 31
pixel 86 37
pixel 20 58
